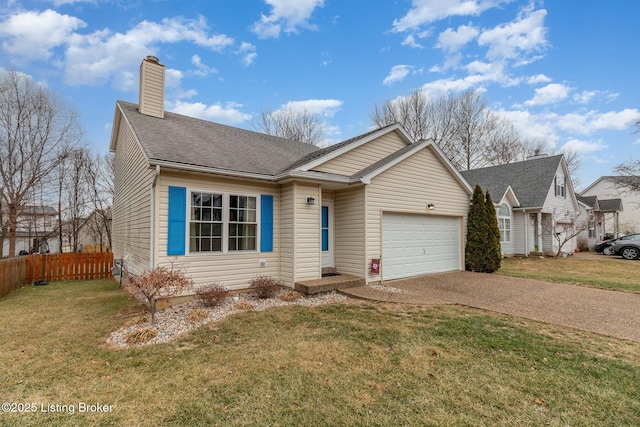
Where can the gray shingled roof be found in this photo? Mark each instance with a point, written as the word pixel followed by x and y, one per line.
pixel 590 201
pixel 530 180
pixel 190 141
pixel 610 205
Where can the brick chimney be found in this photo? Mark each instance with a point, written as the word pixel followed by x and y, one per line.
pixel 151 96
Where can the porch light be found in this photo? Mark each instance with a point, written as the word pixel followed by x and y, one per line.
pixel 431 206
pixel 311 200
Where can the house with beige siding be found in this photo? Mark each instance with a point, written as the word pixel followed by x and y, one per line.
pixel 535 203
pixel 229 204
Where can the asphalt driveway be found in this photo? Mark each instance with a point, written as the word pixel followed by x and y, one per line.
pixel 605 312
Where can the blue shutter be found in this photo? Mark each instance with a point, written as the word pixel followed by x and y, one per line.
pixel 325 228
pixel 177 220
pixel 266 223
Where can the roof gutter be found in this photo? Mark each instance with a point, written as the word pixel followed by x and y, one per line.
pixel 152 232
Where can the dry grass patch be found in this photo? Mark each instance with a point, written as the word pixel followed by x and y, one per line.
pixel 198 315
pixel 289 296
pixel 606 273
pixel 136 320
pixel 141 336
pixel 244 306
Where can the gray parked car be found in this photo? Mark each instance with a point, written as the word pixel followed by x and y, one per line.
pixel 629 249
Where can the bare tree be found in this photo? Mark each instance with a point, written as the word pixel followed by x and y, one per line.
pixel 421 116
pixel 76 192
pixel 574 162
pixel 37 130
pixel 628 175
pixel 467 131
pixel 300 126
pixel 563 227
pixel 99 173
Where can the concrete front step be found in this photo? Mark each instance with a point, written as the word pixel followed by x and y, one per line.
pixel 328 284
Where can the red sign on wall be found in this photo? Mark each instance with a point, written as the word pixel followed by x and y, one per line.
pixel 375 266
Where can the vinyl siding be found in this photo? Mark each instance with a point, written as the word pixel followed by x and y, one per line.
pixel 307 263
pixel 151 94
pixel 555 207
pixel 408 187
pixel 349 246
pixel 521 226
pixel 363 156
pixel 629 218
pixel 131 203
pixel 287 234
pixel 233 269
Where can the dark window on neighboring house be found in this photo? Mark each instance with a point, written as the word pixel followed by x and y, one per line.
pixel 561 186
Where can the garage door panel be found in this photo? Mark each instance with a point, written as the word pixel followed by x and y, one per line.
pixel 419 244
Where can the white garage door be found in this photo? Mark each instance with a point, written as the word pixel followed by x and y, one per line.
pixel 419 244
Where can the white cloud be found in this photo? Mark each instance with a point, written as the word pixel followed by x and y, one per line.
pixel 202 70
pixel 615 120
pixel 228 113
pixel 64 2
pixel 95 58
pixel 587 96
pixel 424 12
pixel 581 146
pixel 287 16
pixel 32 35
pixel 549 94
pixel 410 41
pixel 533 126
pixel 524 35
pixel 248 52
pixel 323 107
pixel 453 40
pixel 397 74
pixel 538 78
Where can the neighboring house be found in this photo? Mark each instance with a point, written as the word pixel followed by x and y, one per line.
pixel 93 233
pixel 612 187
pixel 36 225
pixel 599 212
pixel 535 203
pixel 229 204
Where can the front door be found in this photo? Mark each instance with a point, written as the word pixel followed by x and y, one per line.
pixel 326 234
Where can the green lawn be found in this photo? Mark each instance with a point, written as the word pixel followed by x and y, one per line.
pixel 345 364
pixel 600 271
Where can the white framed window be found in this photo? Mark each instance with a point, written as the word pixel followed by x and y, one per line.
pixel 205 222
pixel 504 223
pixel 561 186
pixel 243 224
pixel 221 222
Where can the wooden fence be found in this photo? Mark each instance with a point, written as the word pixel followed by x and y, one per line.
pixel 13 274
pixel 16 272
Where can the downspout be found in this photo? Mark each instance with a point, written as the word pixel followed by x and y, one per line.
pixel 152 233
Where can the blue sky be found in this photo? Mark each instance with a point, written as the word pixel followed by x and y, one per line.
pixel 561 71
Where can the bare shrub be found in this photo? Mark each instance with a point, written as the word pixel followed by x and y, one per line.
pixel 212 295
pixel 198 315
pixel 244 305
pixel 583 244
pixel 289 296
pixel 140 336
pixel 264 287
pixel 157 283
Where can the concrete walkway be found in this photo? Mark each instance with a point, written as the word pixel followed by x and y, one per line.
pixel 595 310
